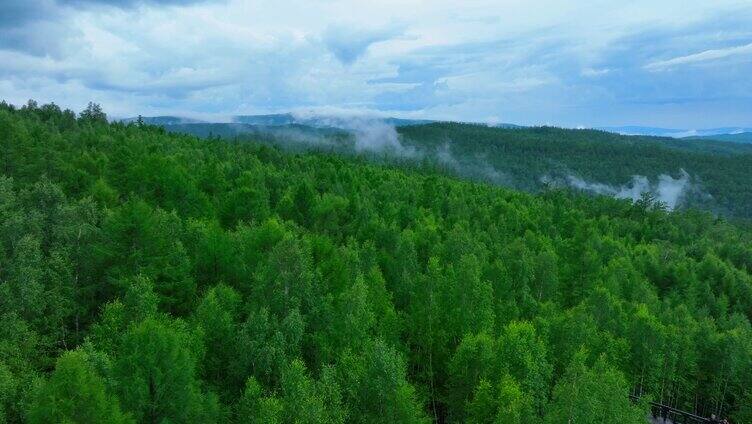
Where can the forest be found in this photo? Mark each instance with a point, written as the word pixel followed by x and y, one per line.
pixel 153 277
pixel 720 170
pixel 523 158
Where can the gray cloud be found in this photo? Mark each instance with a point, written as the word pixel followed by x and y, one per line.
pixel 32 26
pixel 129 3
pixel 41 27
pixel 348 43
pixel 15 13
pixel 489 61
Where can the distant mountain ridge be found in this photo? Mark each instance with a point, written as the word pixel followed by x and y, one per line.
pixel 711 174
pixel 163 120
pixel 743 137
pixel 707 133
pixel 730 134
pixel 281 119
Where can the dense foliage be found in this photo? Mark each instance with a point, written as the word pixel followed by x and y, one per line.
pixel 741 137
pixel 532 158
pixel 721 171
pixel 153 277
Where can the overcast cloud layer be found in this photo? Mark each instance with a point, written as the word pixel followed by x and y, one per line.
pixel 670 63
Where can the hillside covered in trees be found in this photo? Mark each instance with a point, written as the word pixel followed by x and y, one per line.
pixel 150 277
pixel 709 174
pixel 719 173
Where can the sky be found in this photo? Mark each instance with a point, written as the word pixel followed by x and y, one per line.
pixel 664 63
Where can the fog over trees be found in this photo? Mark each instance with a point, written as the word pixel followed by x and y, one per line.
pixel 151 277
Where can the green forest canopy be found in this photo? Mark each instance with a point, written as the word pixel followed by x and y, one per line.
pixel 717 173
pixel 721 172
pixel 151 277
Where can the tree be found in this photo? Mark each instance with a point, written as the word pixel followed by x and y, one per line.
pixel 473 362
pixel 8 387
pixel 265 345
pixel 216 316
pixel 75 393
pixel 24 291
pixel 325 288
pixel 146 241
pixel 523 356
pixel 213 253
pixel 515 406
pixel 155 374
pixel 374 384
pixel 287 280
pixel 248 202
pixel 20 365
pixel 744 414
pixel 93 114
pixel 302 403
pixel 254 408
pixel 593 395
pixel 507 404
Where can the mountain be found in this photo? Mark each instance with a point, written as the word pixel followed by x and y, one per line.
pixel 333 121
pixel 649 131
pixel 730 134
pixel 276 131
pixel 282 119
pixel 682 173
pixel 399 122
pixel 711 172
pixel 738 137
pixel 503 125
pixel 162 120
pixel 674 132
pixel 266 120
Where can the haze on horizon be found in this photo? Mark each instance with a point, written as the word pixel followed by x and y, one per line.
pixel 673 64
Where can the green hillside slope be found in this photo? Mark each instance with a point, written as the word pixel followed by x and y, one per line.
pixel 744 137
pixel 714 175
pixel 155 277
pixel 719 172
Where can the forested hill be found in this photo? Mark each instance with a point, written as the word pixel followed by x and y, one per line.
pixel 706 174
pixel 149 277
pixel 741 137
pixel 718 174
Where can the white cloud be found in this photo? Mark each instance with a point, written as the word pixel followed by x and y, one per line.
pixel 702 57
pixel 408 57
pixel 591 72
pixel 350 43
pixel 705 56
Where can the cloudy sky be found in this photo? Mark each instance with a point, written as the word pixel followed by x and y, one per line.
pixel 669 63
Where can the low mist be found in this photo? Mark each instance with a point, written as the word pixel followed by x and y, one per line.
pixel 667 190
pixel 479 168
pixel 370 133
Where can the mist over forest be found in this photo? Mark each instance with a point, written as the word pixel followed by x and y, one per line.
pixel 679 173
pixel 375 212
pixel 152 276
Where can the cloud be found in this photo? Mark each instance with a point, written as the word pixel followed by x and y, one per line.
pixel 31 26
pixel 349 43
pixel 669 191
pixel 42 27
pixel 130 3
pixel 591 73
pixel 565 65
pixel 705 56
pixel 15 13
pixel 477 168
